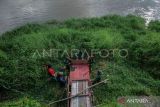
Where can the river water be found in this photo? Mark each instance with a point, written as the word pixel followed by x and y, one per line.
pixel 15 13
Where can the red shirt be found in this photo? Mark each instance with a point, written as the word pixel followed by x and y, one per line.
pixel 51 71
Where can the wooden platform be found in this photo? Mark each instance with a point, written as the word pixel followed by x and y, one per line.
pixel 83 100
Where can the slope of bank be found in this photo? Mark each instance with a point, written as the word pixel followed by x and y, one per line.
pixel 22 57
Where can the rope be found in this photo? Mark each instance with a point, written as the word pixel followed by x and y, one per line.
pixel 104 81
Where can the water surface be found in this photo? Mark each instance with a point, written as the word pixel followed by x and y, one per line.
pixel 15 13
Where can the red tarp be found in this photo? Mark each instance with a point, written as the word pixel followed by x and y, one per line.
pixel 80 72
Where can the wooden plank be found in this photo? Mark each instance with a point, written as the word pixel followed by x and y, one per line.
pixel 83 100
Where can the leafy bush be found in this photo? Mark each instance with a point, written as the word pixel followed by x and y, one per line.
pixel 154 26
pixel 20 71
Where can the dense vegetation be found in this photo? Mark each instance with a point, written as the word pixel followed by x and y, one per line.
pixel 23 78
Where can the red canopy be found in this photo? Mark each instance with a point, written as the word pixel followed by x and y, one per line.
pixel 79 72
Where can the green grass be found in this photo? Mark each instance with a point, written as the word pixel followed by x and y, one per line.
pixel 23 102
pixel 125 81
pixel 137 74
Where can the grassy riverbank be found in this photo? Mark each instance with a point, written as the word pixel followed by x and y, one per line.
pixel 23 78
